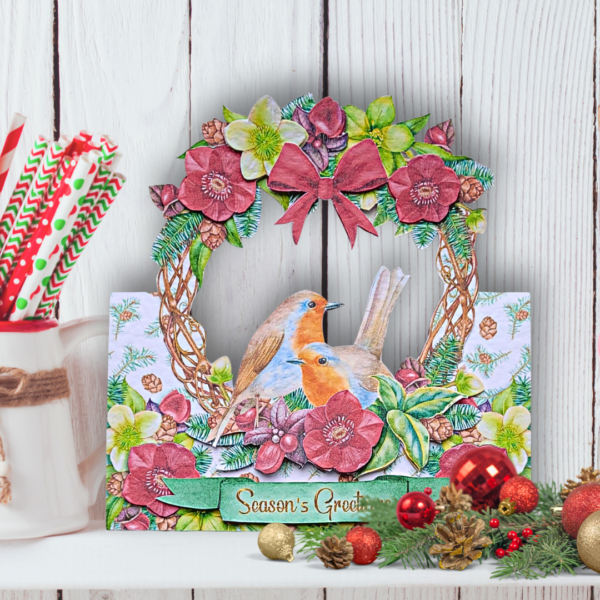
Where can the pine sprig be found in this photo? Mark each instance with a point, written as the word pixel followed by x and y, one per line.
pixel 454 228
pixel 178 233
pixel 134 358
pixel 442 362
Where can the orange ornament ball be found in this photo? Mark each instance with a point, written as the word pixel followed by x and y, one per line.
pixel 579 505
pixel 366 543
pixel 522 491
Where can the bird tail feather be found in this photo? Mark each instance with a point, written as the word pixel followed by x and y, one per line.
pixel 384 293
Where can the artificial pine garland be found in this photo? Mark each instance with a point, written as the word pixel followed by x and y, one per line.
pixel 549 551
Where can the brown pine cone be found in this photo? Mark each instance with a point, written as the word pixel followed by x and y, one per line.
pixel 522 315
pixel 251 476
pixel 439 428
pixel 152 383
pixel 488 328
pixel 587 475
pixel 212 234
pixel 335 553
pixel 126 315
pixel 485 358
pixel 167 430
pixel 453 499
pixel 462 541
pixel 213 132
pixel 114 486
pixel 166 523
pixel 470 189
pixel 346 478
pixel 468 326
pixel 471 436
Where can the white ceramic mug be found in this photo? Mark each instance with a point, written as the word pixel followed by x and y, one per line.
pixel 50 491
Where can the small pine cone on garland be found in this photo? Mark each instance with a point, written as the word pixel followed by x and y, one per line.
pixel 167 430
pixel 166 523
pixel 152 383
pixel 212 234
pixel 488 328
pixel 126 315
pixel 587 475
pixel 114 486
pixel 214 132
pixel 346 477
pixel 471 436
pixel 453 499
pixel 251 477
pixel 468 326
pixel 335 553
pixel 485 358
pixel 462 541
pixel 522 315
pixel 470 189
pixel 439 428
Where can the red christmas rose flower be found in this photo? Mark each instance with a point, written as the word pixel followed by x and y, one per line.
pixel 176 405
pixel 214 184
pixel 133 519
pixel 149 465
pixel 341 435
pixel 424 190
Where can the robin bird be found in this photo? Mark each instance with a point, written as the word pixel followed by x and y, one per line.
pixel 265 371
pixel 327 370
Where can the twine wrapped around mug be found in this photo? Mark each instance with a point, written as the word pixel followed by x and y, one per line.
pixel 19 388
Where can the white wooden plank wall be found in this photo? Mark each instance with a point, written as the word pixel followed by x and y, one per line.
pixel 517 77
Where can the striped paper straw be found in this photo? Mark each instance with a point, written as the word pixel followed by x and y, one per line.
pixel 86 205
pixel 77 246
pixel 51 247
pixel 10 145
pixel 108 148
pixel 20 192
pixel 87 135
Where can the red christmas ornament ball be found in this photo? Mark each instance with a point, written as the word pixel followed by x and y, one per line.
pixel 500 553
pixel 481 472
pixel 415 509
pixel 579 505
pixel 366 544
pixel 522 491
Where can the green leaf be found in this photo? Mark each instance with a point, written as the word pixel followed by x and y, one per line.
pixel 403 228
pixel 200 144
pixel 175 236
pixel 422 148
pixel 357 124
pixel 132 398
pixel 305 102
pixel 397 138
pixel 426 402
pixel 505 399
pixel 463 416
pixel 247 222
pixel 212 521
pixel 183 439
pixel 237 457
pixel 391 393
pixel 415 125
pixel 385 452
pixel 399 160
pixel 114 506
pixel 199 430
pixel 233 237
pixel 424 233
pixel 413 435
pixel 283 199
pixel 230 116
pixel 441 363
pixel 381 112
pixel 387 158
pixel 190 520
pixel 386 207
pixel 468 384
pixel 199 255
pixel 454 228
pixel 470 168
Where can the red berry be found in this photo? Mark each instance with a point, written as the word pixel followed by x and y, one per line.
pixel 500 553
pixel 494 523
pixel 527 532
pixel 509 550
pixel 514 546
pixel 428 491
pixel 511 535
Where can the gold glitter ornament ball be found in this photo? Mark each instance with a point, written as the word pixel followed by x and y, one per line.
pixel 276 541
pixel 588 542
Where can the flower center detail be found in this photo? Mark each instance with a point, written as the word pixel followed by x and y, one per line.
pixel 155 483
pixel 377 136
pixel 216 186
pixel 338 431
pixel 128 437
pixel 266 142
pixel 424 192
pixel 509 438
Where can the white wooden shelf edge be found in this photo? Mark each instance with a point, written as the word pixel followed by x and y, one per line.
pixel 99 559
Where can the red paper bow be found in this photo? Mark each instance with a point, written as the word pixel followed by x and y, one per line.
pixel 359 170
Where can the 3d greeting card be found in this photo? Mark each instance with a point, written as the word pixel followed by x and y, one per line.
pixel 305 430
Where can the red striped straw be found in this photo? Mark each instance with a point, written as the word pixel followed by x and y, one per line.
pixel 10 145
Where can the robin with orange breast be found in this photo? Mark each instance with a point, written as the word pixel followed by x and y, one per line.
pixel 327 370
pixel 266 371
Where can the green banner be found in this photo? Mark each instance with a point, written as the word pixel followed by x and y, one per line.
pixel 243 500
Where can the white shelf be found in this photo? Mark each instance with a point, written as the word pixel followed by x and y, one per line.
pixel 99 559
